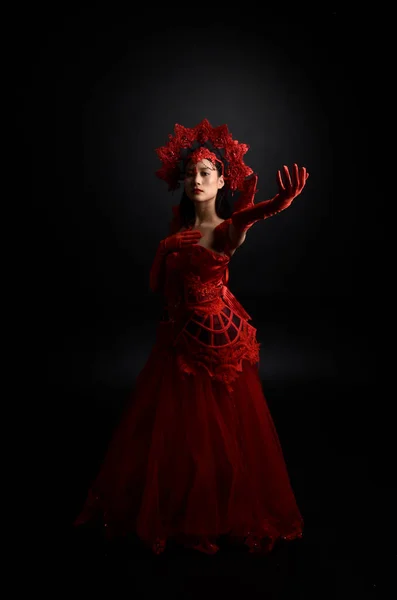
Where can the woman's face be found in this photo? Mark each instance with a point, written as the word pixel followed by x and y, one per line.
pixel 202 181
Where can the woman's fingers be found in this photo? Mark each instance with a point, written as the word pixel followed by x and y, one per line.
pixel 191 236
pixel 287 176
pixel 302 176
pixel 280 181
pixel 292 182
pixel 295 175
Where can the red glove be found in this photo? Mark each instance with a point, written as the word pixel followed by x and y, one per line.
pixel 180 240
pixel 172 243
pixel 243 219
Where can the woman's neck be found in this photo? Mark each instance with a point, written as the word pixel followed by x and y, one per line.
pixel 205 214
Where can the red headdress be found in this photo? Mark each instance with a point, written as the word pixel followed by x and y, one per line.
pixel 203 142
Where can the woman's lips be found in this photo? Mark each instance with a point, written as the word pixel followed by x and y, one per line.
pixel 197 191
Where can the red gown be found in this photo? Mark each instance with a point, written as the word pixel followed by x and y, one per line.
pixel 196 454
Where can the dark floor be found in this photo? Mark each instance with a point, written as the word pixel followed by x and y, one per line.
pixel 337 446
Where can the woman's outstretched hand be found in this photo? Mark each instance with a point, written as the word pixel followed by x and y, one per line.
pixel 289 184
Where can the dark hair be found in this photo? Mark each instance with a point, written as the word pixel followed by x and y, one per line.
pixel 222 204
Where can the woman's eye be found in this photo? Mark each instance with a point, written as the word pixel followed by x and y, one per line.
pixel 190 174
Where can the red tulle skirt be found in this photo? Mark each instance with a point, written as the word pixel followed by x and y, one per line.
pixel 192 461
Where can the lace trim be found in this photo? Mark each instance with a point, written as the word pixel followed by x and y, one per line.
pixel 258 539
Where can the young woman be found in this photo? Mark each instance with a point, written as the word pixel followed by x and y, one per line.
pixel 196 455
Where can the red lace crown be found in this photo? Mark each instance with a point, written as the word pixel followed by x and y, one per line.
pixel 203 141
